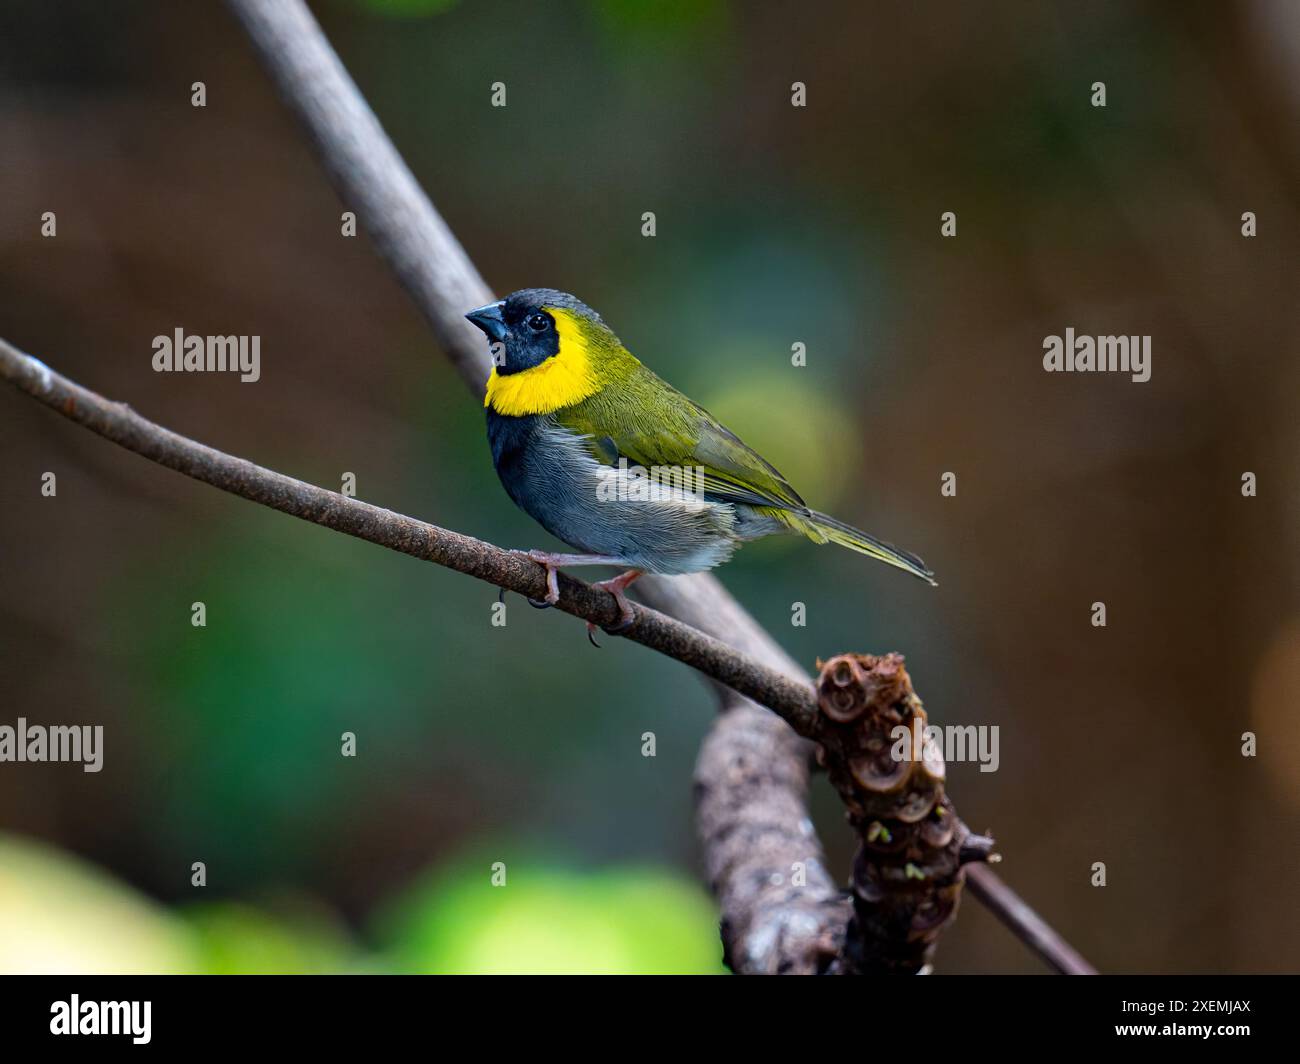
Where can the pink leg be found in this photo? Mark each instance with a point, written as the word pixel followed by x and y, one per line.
pixel 552 563
pixel 616 587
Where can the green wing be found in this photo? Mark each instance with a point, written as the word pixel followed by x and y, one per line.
pixel 645 420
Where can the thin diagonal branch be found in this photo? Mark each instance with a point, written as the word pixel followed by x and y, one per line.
pixel 372 179
pixel 1030 928
pixel 794 701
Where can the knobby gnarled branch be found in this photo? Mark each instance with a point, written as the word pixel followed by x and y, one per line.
pixel 909 869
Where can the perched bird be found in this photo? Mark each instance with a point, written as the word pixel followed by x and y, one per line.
pixel 608 457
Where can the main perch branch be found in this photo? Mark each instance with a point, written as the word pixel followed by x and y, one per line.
pixel 512 570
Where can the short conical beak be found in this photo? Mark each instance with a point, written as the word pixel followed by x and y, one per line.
pixel 490 320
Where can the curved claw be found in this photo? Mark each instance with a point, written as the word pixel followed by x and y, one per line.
pixel 539 604
pixel 591 635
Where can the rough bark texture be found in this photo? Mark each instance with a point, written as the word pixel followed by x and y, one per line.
pixel 907 876
pixel 782 913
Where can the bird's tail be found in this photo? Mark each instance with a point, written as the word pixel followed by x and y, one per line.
pixel 822 528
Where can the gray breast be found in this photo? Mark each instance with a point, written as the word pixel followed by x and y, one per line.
pixel 657 522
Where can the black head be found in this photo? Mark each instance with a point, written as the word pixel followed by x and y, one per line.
pixel 524 327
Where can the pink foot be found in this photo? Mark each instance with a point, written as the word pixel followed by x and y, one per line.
pixel 616 587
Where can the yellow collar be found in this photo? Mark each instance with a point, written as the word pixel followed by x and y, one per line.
pixel 567 377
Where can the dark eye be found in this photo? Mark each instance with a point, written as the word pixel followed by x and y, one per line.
pixel 538 323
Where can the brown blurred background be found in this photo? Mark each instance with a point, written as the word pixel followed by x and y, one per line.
pixel 775 225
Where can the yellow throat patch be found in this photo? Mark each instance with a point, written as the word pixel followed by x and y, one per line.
pixel 567 377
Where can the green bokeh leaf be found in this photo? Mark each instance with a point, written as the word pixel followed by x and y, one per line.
pixel 550 918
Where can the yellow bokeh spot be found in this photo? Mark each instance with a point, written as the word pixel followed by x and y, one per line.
pixel 59 914
pixel 806 432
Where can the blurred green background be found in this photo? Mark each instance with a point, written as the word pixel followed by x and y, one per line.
pixel 479 744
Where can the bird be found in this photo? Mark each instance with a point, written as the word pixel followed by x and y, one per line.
pixel 614 461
